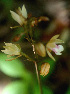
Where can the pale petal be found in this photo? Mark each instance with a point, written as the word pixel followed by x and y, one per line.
pixel 55 50
pixel 59 41
pixel 50 55
pixel 24 12
pixel 61 48
pixel 51 45
pixel 54 37
pixel 11 49
pixel 16 17
pixel 58 53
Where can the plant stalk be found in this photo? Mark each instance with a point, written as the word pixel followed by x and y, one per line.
pixel 38 77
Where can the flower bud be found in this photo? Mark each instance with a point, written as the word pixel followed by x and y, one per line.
pixel 43 18
pixel 44 69
pixel 12 49
pixel 16 38
pixel 40 49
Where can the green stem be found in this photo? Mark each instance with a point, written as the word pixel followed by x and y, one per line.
pixel 37 71
pixel 28 58
pixel 38 77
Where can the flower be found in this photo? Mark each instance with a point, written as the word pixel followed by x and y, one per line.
pixel 11 49
pixel 44 69
pixel 52 46
pixel 21 16
pixel 40 49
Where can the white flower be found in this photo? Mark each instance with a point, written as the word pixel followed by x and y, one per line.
pixel 11 49
pixel 51 46
pixel 21 16
pixel 40 49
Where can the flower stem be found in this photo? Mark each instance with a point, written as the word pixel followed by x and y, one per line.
pixel 38 77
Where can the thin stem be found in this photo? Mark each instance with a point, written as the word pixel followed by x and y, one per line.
pixel 15 27
pixel 28 58
pixel 38 77
pixel 37 71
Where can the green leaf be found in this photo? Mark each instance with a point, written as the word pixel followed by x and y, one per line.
pixel 68 91
pixel 17 87
pixel 12 68
pixel 46 90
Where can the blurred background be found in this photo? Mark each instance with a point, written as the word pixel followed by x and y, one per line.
pixel 18 76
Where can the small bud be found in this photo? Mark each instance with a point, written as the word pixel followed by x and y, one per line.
pixel 44 69
pixel 34 22
pixel 29 15
pixel 16 38
pixel 43 18
pixel 40 49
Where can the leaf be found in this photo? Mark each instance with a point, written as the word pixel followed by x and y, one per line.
pixel 17 87
pixel 11 68
pixel 68 91
pixel 46 90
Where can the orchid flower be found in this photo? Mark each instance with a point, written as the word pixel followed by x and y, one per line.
pixel 52 46
pixel 21 16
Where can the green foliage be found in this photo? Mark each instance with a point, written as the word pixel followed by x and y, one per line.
pixel 68 91
pixel 17 87
pixel 15 68
pixel 46 90
pixel 12 68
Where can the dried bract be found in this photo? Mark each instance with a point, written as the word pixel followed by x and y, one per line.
pixel 44 69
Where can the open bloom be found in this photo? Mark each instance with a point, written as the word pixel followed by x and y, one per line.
pixel 11 49
pixel 52 46
pixel 44 69
pixel 21 16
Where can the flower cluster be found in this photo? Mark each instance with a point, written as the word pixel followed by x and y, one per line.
pixel 22 17
pixel 29 22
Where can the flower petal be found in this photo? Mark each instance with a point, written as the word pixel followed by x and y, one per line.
pixel 59 41
pixel 11 49
pixel 50 55
pixel 54 37
pixel 61 48
pixel 16 17
pixel 24 12
pixel 58 53
pixel 51 45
